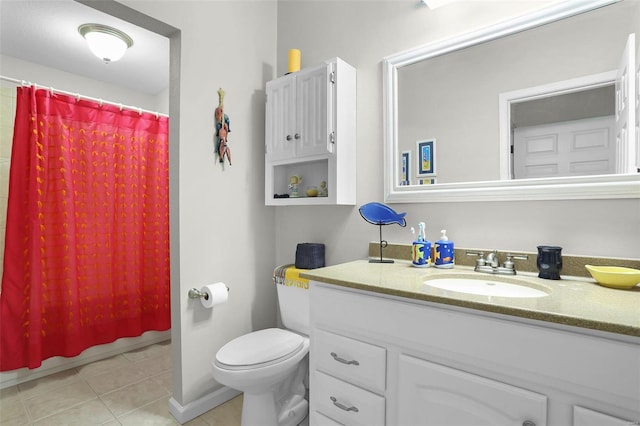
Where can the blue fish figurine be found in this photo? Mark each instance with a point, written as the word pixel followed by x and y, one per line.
pixel 381 214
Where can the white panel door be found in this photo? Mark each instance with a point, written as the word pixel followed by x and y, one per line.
pixel 431 394
pixel 280 119
pixel 626 109
pixel 573 148
pixel 313 113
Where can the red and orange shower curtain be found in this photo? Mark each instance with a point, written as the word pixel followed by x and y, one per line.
pixel 87 234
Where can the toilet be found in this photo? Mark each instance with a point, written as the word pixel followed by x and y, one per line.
pixel 271 366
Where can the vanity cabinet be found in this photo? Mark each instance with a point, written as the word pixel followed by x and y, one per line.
pixel 431 394
pixel 431 364
pixel 310 131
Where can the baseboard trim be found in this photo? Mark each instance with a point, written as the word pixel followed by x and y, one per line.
pixel 185 413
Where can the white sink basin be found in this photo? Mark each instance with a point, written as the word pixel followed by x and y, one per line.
pixel 485 287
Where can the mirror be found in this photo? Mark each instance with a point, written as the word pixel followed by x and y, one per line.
pixel 449 106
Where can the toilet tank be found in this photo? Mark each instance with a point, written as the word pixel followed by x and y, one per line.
pixel 293 299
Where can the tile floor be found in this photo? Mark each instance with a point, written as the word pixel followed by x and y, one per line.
pixel 132 388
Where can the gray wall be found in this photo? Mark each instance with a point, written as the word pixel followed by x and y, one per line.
pixel 362 33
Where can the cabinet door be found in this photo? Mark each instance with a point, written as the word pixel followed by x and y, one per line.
pixel 312 88
pixel 585 417
pixel 280 124
pixel 432 394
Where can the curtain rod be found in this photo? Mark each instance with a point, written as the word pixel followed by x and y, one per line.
pixel 77 95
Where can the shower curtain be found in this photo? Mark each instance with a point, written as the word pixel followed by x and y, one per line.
pixel 87 234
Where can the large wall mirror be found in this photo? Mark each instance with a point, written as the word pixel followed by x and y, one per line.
pixel 522 110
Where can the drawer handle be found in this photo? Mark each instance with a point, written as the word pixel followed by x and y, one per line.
pixel 344 361
pixel 343 407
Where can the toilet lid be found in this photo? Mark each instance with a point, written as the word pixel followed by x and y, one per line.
pixel 259 347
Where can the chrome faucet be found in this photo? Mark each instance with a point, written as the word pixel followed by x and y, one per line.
pixel 491 264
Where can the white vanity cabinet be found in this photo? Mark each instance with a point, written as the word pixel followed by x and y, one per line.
pixel 310 131
pixel 453 366
pixel 431 394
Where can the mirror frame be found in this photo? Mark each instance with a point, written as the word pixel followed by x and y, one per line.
pixel 580 187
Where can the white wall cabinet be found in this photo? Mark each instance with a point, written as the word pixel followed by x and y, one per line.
pixel 310 131
pixel 421 363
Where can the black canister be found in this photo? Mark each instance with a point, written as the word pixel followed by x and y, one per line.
pixel 549 262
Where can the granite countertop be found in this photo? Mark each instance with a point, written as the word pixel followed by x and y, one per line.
pixel 573 301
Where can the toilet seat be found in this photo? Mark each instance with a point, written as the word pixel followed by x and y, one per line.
pixel 259 349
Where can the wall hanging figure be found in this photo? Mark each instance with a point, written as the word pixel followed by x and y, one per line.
pixel 222 129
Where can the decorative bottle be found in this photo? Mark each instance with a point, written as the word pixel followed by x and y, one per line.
pixel 421 249
pixel 444 255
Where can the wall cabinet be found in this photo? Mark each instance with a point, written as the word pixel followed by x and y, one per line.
pixel 310 131
pixel 422 363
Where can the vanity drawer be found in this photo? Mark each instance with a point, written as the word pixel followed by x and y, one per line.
pixel 357 362
pixel 318 419
pixel 346 403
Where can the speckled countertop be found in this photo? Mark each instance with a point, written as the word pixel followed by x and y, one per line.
pixel 579 302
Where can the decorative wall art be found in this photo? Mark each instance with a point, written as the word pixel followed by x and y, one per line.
pixel 427 157
pixel 405 168
pixel 222 130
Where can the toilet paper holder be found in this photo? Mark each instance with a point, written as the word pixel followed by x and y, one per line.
pixel 194 293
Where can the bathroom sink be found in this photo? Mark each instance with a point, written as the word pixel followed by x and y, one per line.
pixel 485 287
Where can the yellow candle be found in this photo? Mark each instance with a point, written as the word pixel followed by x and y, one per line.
pixel 294 60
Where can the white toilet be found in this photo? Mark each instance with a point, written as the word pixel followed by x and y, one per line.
pixel 270 366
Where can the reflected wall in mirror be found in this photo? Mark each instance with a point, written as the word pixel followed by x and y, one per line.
pixel 451 91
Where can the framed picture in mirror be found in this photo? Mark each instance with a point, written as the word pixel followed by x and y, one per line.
pixel 405 168
pixel 426 157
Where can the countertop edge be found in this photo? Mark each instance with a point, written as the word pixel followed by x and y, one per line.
pixel 527 314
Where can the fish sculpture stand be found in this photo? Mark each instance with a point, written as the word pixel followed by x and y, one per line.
pixel 381 214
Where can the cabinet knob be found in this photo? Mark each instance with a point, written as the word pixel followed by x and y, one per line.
pixel 344 407
pixel 288 137
pixel 344 361
pixel 297 136
pixel 528 423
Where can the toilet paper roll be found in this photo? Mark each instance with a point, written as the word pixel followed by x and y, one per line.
pixel 214 294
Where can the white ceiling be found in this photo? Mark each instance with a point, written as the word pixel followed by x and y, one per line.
pixel 46 32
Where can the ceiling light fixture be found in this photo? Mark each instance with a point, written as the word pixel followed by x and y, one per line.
pixel 107 43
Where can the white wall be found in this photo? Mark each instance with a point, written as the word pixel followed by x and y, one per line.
pixel 225 231
pixel 61 80
pixel 364 32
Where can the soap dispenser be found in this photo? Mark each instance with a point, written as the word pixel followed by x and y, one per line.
pixel 421 249
pixel 444 255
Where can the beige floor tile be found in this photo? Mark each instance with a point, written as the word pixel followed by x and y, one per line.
pixel 196 422
pixel 12 411
pixel 166 379
pixel 115 379
pixel 48 383
pixel 154 365
pixel 103 366
pixel 227 414
pixel 156 413
pixel 152 351
pixel 129 398
pixel 88 413
pixel 59 400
